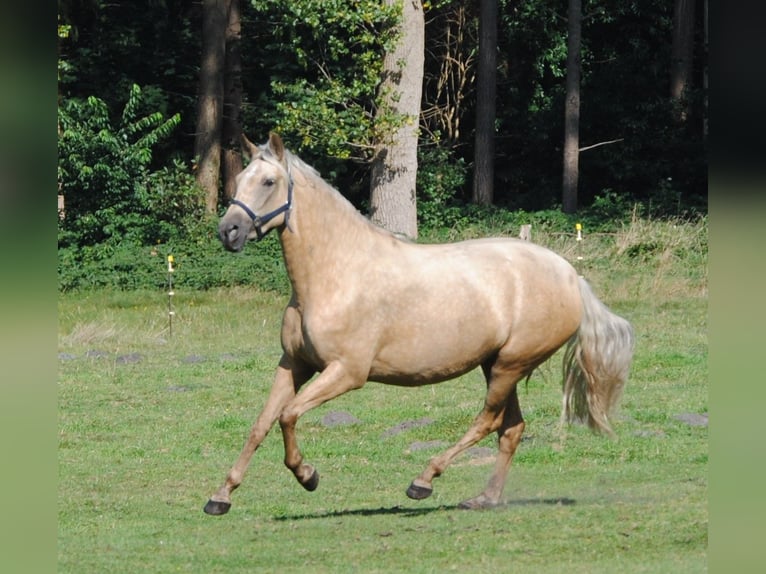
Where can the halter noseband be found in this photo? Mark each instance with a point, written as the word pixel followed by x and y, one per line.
pixel 261 220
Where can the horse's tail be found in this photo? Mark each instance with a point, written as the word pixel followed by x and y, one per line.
pixel 596 364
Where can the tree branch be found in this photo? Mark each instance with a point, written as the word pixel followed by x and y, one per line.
pixel 600 144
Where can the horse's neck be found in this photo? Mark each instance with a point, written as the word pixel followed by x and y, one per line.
pixel 324 232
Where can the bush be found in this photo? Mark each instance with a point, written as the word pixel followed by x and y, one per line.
pixel 174 200
pixel 124 265
pixel 200 263
pixel 118 210
pixel 104 175
pixel 440 179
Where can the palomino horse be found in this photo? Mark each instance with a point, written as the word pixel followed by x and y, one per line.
pixel 368 306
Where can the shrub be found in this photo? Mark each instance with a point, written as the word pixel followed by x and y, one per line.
pixel 440 179
pixel 103 171
pixel 200 263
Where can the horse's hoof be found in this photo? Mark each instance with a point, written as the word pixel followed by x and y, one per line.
pixel 417 492
pixel 216 507
pixel 312 483
pixel 480 502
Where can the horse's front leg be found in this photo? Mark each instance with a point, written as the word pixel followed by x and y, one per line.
pixel 286 383
pixel 332 382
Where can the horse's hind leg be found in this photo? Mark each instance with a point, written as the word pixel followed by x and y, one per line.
pixel 422 486
pixel 501 393
pixel 509 437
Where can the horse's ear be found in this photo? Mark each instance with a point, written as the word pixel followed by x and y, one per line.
pixel 276 146
pixel 249 148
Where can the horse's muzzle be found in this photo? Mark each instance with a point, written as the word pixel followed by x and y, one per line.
pixel 232 235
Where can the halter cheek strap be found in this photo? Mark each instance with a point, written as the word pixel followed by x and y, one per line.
pixel 260 220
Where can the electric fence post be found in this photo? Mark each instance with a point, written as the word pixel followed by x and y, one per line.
pixel 578 228
pixel 171 312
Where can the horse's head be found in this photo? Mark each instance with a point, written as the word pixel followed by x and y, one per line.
pixel 263 197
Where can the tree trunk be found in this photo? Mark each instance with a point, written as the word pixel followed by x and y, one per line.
pixel 572 109
pixel 232 100
pixel 682 54
pixel 486 88
pixel 207 145
pixel 395 164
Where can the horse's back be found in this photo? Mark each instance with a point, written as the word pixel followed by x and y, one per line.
pixel 450 306
pixel 499 268
pixel 517 282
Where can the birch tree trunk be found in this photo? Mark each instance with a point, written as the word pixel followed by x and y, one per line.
pixel 395 163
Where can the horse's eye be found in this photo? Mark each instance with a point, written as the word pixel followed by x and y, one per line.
pixel 268 182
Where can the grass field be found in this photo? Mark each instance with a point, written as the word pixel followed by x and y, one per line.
pixel 149 424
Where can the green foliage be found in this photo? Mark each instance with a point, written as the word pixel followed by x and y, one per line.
pixel 104 171
pixel 326 59
pixel 117 206
pixel 121 265
pixel 609 208
pixel 440 178
pixel 474 221
pixel 205 264
pixel 313 72
pixel 200 263
pixel 624 94
pixel 113 45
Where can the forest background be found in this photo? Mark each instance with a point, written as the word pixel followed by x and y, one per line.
pixel 129 84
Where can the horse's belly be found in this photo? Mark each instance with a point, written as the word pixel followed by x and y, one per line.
pixel 430 357
pixel 417 375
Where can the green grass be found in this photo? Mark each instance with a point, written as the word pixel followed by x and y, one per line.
pixel 149 424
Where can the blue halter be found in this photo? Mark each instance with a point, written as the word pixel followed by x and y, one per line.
pixel 261 220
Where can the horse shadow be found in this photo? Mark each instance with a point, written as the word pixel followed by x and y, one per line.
pixel 420 511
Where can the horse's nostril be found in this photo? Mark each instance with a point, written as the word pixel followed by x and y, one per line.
pixel 228 233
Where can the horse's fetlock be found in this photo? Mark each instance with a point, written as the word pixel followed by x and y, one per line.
pixel 293 463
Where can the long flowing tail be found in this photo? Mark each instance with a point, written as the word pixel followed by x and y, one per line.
pixel 596 364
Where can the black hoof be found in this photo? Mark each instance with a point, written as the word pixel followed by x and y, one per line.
pixel 217 508
pixel 312 483
pixel 416 492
